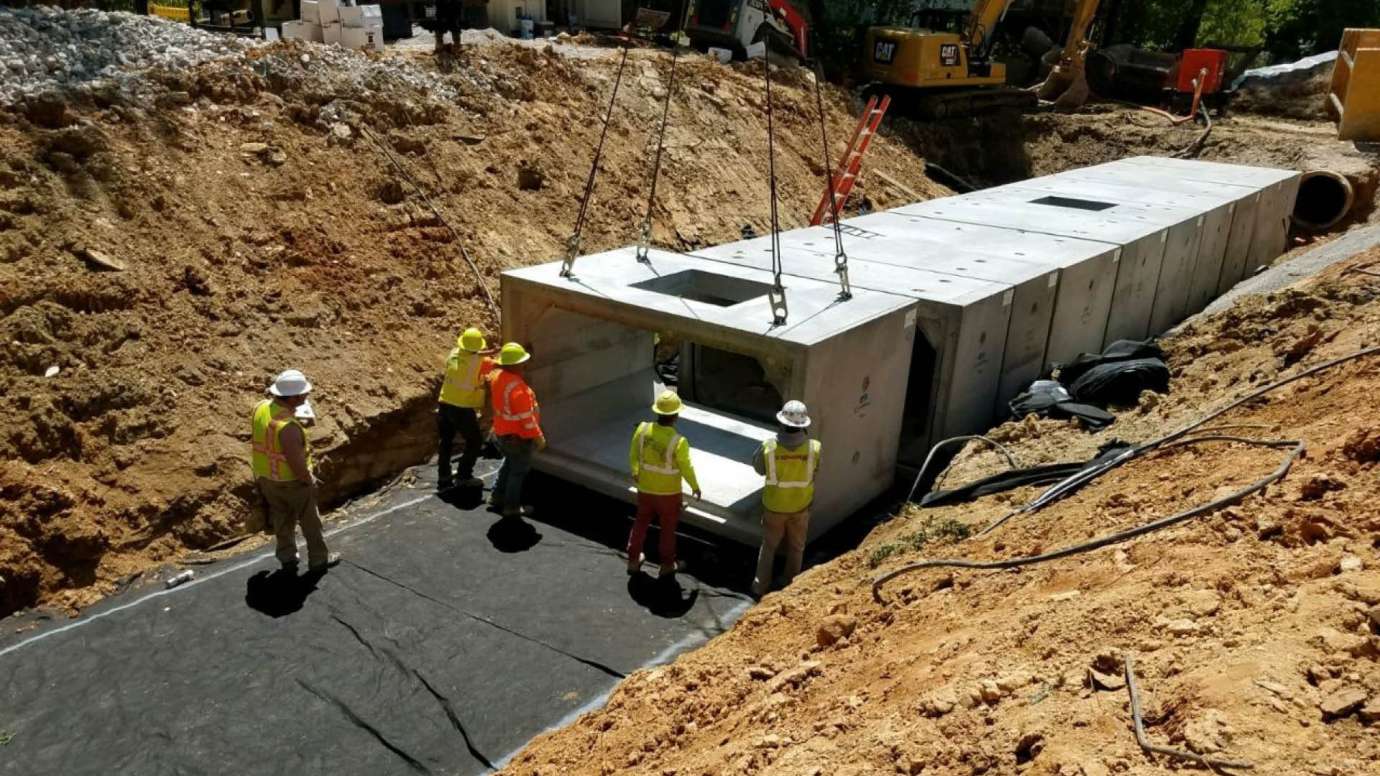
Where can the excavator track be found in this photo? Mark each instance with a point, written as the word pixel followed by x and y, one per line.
pixel 970 102
pixel 933 104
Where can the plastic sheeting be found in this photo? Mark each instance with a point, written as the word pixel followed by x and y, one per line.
pixel 441 644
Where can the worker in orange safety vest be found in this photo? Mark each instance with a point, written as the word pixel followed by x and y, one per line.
pixel 517 426
pixel 280 457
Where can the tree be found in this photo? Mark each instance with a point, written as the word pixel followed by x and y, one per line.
pixel 1299 28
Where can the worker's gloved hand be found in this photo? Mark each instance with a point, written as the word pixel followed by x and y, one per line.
pixel 697 495
pixel 541 443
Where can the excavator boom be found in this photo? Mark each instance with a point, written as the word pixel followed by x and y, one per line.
pixel 1067 84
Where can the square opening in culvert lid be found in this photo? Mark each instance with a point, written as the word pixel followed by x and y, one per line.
pixel 1071 202
pixel 708 287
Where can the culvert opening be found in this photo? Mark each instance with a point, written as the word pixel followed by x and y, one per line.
pixel 1324 199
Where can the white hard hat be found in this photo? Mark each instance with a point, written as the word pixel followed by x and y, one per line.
pixel 290 383
pixel 794 415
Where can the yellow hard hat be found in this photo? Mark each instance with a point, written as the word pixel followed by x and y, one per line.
pixel 472 340
pixel 513 354
pixel 668 403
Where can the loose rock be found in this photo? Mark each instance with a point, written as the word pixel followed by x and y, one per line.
pixel 835 627
pixel 1342 702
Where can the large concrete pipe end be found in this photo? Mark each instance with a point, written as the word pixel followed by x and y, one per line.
pixel 1325 198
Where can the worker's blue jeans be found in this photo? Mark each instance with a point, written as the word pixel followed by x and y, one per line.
pixel 517 462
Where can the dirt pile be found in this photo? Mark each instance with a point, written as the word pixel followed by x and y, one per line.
pixel 1254 630
pixel 165 250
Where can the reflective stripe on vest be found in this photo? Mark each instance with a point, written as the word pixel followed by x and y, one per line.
pixel 770 456
pixel 506 408
pixel 463 385
pixel 269 445
pixel 668 465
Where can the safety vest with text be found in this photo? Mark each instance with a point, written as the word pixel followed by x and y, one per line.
pixel 464 382
pixel 515 405
pixel 660 457
pixel 790 476
pixel 267 458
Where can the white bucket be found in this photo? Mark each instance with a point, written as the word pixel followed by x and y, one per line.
pixel 722 54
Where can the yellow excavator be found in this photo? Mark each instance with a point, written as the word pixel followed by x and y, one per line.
pixel 949 73
pixel 1067 84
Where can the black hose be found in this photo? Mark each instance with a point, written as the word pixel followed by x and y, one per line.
pixel 1119 536
pixel 1138 725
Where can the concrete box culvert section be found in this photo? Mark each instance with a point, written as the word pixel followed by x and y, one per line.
pixel 591 338
pixel 957 304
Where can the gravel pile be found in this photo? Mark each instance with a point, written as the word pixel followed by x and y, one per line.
pixel 46 49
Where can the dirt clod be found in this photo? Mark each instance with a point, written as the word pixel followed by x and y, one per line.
pixel 833 628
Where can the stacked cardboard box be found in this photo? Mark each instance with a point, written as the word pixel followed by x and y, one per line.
pixel 339 22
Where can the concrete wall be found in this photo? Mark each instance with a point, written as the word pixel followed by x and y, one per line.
pixel 957 304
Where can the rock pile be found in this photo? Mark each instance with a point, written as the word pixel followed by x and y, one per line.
pixel 45 49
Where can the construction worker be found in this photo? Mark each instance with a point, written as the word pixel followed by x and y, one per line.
pixel 458 408
pixel 789 463
pixel 283 471
pixel 450 17
pixel 517 425
pixel 659 459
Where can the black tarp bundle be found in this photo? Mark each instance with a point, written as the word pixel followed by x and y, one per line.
pixel 1085 385
pixel 1016 478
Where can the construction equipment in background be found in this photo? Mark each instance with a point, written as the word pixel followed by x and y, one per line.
pixel 1177 81
pixel 737 24
pixel 841 184
pixel 1353 98
pixel 1067 84
pixel 942 73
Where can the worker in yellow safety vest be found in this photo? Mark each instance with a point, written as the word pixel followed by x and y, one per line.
pixel 789 462
pixel 281 459
pixel 459 406
pixel 659 459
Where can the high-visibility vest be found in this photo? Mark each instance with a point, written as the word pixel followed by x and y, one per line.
pixel 267 458
pixel 790 476
pixel 515 406
pixel 657 471
pixel 464 383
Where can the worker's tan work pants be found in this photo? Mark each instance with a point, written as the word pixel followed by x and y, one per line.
pixel 291 504
pixel 775 525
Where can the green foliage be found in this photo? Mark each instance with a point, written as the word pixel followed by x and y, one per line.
pixel 946 531
pixel 6 737
pixel 1298 28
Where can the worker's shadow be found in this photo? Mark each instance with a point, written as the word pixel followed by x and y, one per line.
pixel 662 597
pixel 513 534
pixel 280 593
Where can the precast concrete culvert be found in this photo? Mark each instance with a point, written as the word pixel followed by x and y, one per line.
pixel 957 304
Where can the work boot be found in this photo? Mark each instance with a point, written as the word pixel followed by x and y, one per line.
pixel 471 482
pixel 669 572
pixel 635 567
pixel 445 484
pixel 332 560
pixel 522 511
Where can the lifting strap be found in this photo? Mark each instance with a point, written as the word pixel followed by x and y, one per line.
pixel 644 240
pixel 572 245
pixel 777 295
pixel 840 258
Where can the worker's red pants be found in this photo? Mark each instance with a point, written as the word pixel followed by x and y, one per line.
pixel 666 509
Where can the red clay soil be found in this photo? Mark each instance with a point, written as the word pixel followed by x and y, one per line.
pixel 1255 629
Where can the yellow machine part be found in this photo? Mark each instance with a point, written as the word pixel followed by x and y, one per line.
pixel 923 59
pixel 1354 95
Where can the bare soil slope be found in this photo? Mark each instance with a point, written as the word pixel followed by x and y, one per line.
pixel 255 225
pixel 1254 629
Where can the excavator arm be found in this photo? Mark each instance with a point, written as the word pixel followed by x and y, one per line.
pixel 986 15
pixel 1067 85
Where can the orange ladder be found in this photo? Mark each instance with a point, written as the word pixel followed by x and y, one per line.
pixel 842 182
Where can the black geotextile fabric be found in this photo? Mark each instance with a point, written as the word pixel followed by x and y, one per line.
pixel 1121 382
pixel 1017 478
pixel 1049 398
pixel 1120 350
pixel 441 644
